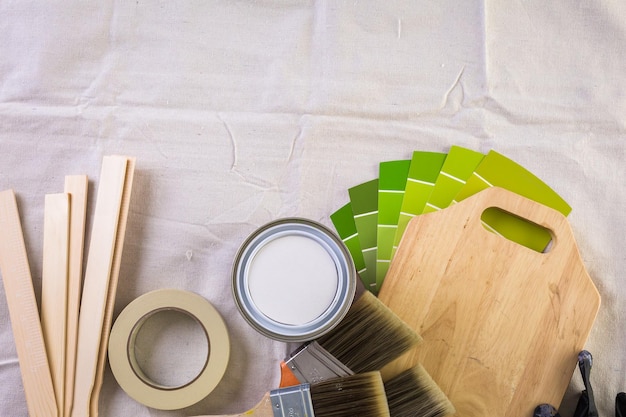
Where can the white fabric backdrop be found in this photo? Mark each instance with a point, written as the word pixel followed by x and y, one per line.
pixel 246 111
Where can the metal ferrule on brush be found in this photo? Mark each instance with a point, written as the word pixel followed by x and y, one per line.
pixel 312 363
pixel 292 401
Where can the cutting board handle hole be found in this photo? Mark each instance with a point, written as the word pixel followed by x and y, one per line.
pixel 518 229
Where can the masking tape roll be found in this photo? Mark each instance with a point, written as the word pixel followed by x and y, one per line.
pixel 122 347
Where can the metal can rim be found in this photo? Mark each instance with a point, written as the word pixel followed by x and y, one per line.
pixel 346 277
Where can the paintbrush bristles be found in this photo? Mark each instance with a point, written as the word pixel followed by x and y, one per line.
pixel 370 336
pixel 413 393
pixel 360 395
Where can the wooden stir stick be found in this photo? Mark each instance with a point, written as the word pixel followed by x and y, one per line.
pixel 114 277
pixel 97 281
pixel 20 295
pixel 76 186
pixel 54 288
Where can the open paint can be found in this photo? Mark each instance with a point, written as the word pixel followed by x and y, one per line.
pixel 293 280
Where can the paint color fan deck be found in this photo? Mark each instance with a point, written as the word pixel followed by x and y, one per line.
pixel 374 219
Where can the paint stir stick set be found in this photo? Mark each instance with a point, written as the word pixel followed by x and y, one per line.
pixel 62 353
pixel 475 254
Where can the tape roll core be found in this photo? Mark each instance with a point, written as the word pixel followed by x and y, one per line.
pixel 124 363
pixel 137 368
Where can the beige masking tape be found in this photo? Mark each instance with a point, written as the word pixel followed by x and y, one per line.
pixel 122 349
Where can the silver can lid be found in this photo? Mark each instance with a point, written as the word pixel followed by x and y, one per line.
pixel 293 280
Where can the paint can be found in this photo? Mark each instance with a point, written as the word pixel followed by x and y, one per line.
pixel 293 280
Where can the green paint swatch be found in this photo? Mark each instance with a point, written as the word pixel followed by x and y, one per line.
pixel 343 221
pixel 424 170
pixel 364 200
pixel 457 168
pixel 373 222
pixel 497 170
pixel 391 185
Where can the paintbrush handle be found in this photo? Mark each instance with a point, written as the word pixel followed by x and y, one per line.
pixel 287 377
pixel 262 409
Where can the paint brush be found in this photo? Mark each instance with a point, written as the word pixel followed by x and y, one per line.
pixel 360 395
pixel 368 337
pixel 413 393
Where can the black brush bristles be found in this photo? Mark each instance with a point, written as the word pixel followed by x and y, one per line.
pixel 413 393
pixel 370 336
pixel 359 395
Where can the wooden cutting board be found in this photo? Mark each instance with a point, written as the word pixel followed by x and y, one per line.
pixel 502 324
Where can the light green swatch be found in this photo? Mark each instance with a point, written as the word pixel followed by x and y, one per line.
pixel 391 185
pixel 424 170
pixel 343 221
pixel 457 168
pixel 364 201
pixel 497 170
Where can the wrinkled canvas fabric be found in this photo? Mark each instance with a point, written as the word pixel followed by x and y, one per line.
pixel 243 112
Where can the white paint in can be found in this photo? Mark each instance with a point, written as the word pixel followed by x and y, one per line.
pixel 292 279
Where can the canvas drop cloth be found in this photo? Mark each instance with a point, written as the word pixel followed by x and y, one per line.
pixel 242 112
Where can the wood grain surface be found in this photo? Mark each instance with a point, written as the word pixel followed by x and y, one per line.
pixel 502 324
